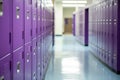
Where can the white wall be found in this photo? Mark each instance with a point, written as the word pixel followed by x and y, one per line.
pixel 58 18
pixel 68 12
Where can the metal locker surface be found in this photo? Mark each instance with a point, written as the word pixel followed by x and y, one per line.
pixel 18 64
pixel 27 19
pixel 34 59
pixel 5 27
pixel 5 68
pixel 18 25
pixel 115 22
pixel 39 59
pixel 34 19
pixel 38 21
pixel 111 32
pixel 103 30
pixel 27 61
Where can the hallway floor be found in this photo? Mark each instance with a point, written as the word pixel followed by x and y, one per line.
pixel 73 61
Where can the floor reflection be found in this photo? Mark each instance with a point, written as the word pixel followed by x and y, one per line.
pixel 73 61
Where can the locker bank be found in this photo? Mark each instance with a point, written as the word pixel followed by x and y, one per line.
pixel 59 40
pixel 24 31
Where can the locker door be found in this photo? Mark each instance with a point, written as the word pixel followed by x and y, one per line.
pixel 38 21
pixel 115 8
pixel 5 68
pixel 34 60
pixel 110 36
pixel 18 32
pixel 107 32
pixel 5 27
pixel 34 18
pixel 27 61
pixel 27 24
pixel 38 60
pixel 18 65
pixel 104 30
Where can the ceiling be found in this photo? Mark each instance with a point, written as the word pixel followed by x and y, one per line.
pixel 88 1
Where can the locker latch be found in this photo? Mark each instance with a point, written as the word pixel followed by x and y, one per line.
pixel 2 78
pixel 1 7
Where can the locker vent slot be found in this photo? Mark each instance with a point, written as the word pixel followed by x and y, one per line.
pixel 18 67
pixel 17 12
pixel 2 78
pixel 1 7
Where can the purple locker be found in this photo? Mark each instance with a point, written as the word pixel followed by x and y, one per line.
pixel 110 36
pixel 38 21
pixel 115 8
pixel 38 59
pixel 86 26
pixel 27 24
pixel 5 27
pixel 18 65
pixel 107 33
pixel 34 18
pixel 104 30
pixel 5 68
pixel 18 32
pixel 27 61
pixel 34 59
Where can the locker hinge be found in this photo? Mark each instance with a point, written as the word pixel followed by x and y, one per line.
pixel 10 37
pixel 23 34
pixel 10 65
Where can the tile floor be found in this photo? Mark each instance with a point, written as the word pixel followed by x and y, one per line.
pixel 73 61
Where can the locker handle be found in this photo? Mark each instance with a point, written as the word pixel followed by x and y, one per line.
pixel 18 67
pixel 2 78
pixel 17 12
pixel 34 76
pixel 28 57
pixel 39 66
pixel 28 13
pixel 34 51
pixel 1 7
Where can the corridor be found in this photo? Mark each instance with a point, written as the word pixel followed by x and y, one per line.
pixel 73 61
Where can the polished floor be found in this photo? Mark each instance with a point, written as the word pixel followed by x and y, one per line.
pixel 73 61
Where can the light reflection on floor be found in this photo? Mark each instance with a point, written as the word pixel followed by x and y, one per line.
pixel 73 61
